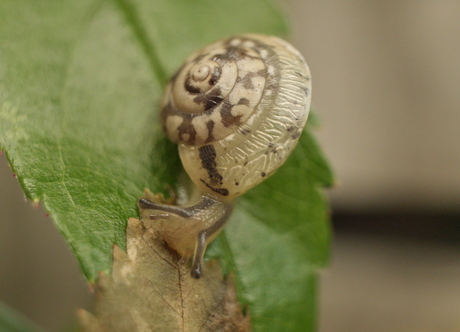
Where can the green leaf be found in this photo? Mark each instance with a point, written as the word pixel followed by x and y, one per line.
pixel 80 84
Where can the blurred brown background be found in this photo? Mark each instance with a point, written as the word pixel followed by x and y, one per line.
pixel 386 79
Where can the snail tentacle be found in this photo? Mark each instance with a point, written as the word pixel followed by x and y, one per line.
pixel 188 229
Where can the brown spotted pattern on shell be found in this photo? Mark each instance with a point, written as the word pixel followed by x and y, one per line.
pixel 237 108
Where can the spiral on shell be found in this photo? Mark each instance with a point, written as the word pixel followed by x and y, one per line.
pixel 237 108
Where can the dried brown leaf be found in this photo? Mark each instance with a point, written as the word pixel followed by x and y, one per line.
pixel 149 290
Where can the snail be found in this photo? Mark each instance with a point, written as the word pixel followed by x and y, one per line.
pixel 236 109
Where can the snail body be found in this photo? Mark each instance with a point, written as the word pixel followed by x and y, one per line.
pixel 236 109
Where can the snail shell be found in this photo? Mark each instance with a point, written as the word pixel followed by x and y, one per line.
pixel 237 108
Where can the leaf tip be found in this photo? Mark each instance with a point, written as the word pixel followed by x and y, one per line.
pixel 36 203
pixel 133 222
pixel 87 321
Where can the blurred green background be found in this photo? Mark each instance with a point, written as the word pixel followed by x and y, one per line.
pixel 386 77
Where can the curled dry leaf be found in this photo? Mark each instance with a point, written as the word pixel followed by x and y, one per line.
pixel 150 291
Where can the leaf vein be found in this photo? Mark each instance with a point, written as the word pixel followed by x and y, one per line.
pixel 134 21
